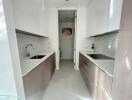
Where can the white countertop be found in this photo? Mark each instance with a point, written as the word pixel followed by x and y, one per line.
pixel 29 64
pixel 106 65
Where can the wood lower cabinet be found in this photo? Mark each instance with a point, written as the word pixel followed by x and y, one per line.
pixel 98 82
pixel 104 86
pixel 52 65
pixel 88 72
pixel 36 81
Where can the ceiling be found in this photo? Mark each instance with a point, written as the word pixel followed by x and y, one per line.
pixel 27 4
pixel 66 15
pixel 64 3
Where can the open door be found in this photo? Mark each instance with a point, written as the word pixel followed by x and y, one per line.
pixel 67 35
pixel 75 39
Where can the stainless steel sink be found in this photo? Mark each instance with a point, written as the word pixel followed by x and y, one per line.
pixel 37 57
pixel 99 56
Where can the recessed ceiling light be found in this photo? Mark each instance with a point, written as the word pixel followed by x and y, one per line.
pixel 67 0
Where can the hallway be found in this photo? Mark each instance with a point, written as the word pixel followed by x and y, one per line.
pixel 67 84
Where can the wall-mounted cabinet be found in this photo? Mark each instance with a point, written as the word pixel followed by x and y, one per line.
pixel 32 18
pixel 98 11
pixel 44 22
pixel 103 16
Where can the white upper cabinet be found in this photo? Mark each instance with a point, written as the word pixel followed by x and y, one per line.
pixel 31 16
pixel 115 14
pixel 44 22
pixel 103 16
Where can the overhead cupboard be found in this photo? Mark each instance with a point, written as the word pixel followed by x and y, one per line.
pixel 32 20
pixel 103 16
pixel 36 26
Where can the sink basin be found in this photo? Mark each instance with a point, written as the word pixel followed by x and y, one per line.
pixel 37 57
pixel 99 56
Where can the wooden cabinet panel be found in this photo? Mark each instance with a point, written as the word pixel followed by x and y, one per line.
pixel 36 81
pixel 103 89
pixel 88 70
pixel 91 77
pixel 52 65
pixel 100 85
pixel 97 81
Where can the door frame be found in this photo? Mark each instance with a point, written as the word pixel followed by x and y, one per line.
pixel 75 36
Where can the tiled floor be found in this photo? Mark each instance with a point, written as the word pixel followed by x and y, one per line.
pixel 67 84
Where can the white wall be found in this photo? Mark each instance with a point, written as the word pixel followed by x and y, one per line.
pixel 11 77
pixel 6 67
pixel 66 42
pixel 44 21
pixel 115 14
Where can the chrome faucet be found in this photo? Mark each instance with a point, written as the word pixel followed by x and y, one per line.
pixel 28 53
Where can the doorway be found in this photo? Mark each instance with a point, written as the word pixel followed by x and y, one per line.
pixel 67 33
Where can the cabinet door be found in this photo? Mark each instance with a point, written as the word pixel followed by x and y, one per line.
pixel 83 69
pixel 91 76
pixel 36 82
pixel 97 81
pixel 44 22
pixel 100 84
pixel 102 16
pixel 52 65
pixel 108 87
pixel 88 70
pixel 91 18
pixel 103 89
pixel 99 19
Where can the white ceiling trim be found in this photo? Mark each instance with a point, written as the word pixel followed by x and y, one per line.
pixel 64 4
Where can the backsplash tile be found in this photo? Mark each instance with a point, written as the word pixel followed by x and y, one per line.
pixel 106 44
pixel 87 44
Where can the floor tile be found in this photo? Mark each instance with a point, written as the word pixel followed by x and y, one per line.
pixel 67 84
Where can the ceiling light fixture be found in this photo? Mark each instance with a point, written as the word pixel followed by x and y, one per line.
pixel 67 0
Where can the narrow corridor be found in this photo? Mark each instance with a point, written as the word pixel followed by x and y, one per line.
pixel 67 84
